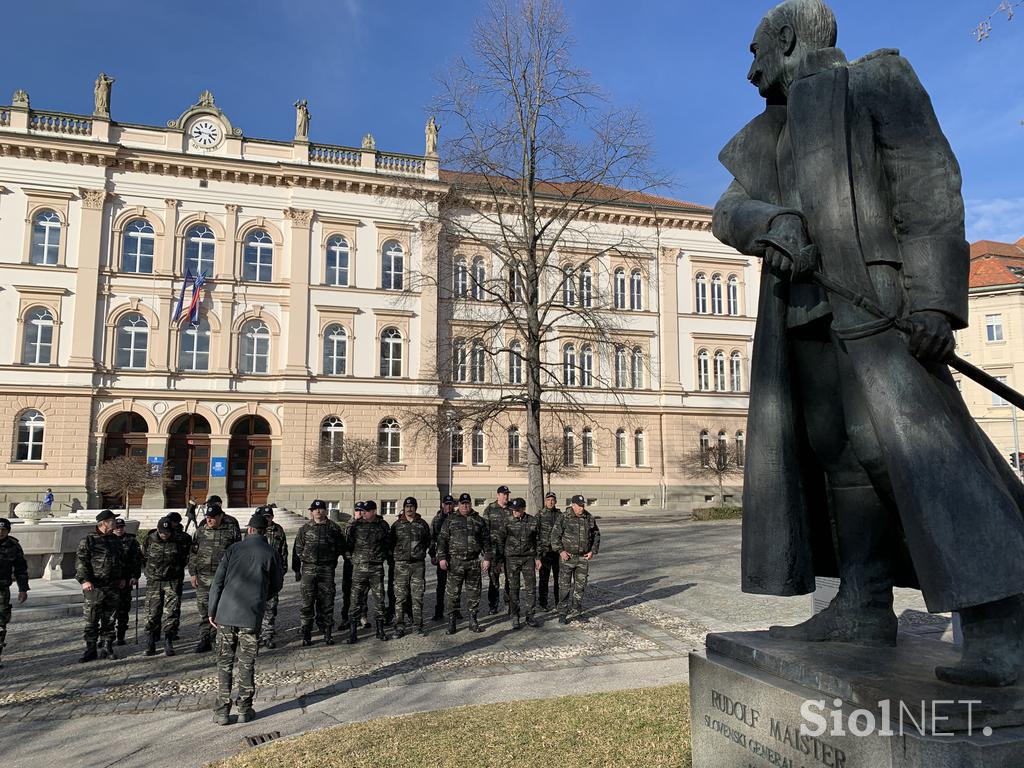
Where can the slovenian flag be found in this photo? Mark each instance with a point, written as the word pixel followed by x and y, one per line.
pixel 181 298
pixel 193 307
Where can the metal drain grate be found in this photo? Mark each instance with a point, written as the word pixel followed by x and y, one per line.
pixel 263 738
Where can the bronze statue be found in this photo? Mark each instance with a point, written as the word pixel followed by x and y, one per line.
pixel 862 461
pixel 101 95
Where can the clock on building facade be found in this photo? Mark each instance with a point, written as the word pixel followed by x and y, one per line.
pixel 205 134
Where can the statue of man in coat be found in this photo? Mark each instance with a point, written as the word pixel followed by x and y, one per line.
pixel 862 460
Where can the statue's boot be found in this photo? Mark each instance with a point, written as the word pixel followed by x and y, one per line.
pixel 862 611
pixel 993 649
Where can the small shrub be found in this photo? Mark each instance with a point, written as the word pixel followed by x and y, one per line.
pixel 718 513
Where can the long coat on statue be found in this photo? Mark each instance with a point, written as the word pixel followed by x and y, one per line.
pixel 879 190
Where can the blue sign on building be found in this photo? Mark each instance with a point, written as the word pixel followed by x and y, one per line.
pixel 219 466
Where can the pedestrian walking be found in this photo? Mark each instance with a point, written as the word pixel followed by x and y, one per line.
pixel 577 538
pixel 48 499
pixel 190 514
pixel 99 568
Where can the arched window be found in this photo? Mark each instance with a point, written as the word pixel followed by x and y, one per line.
pixel 569 287
pixel 637 378
pixel 716 294
pixel 705 447
pixel 478 369
pixel 640 448
pixel 391 353
pixel 335 350
pixel 703 371
pixel 514 457
pixel 31 426
pixel 516 291
pixel 389 442
pixel 332 438
pixel 254 348
pixel 336 270
pixel 258 257
pixel 132 341
pixel 569 365
pixel 460 367
pixel 515 363
pixel 700 284
pixel 735 372
pixel 137 246
pixel 620 448
pixel 619 288
pixel 723 441
pixel 458 454
pixel 586 366
pixel 200 245
pixel 392 266
pixel 588 447
pixel 720 371
pixel 636 290
pixel 586 288
pixel 37 342
pixel 479 278
pixel 741 449
pixel 194 346
pixel 45 249
pixel 461 278
pixel 621 367
pixel 569 447
pixel 732 295
pixel 478 445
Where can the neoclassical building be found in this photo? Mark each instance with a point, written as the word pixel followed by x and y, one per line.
pixel 314 322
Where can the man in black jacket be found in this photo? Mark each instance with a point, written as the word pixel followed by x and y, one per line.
pixel 447 508
pixel 549 559
pixel 99 568
pixel 369 545
pixel 278 540
pixel 13 568
pixel 577 539
pixel 132 571
pixel 165 556
pixel 249 574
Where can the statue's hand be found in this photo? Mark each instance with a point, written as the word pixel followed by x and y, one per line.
pixel 786 250
pixel 931 337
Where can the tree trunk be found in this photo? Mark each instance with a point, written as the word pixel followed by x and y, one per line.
pixel 355 488
pixel 721 491
pixel 127 511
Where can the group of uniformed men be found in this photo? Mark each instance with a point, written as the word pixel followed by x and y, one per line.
pixel 461 543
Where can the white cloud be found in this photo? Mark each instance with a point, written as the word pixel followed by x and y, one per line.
pixel 996 218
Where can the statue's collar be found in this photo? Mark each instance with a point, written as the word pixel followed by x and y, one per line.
pixel 819 60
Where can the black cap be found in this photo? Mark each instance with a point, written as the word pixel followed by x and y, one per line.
pixel 215 499
pixel 119 523
pixel 166 525
pixel 579 499
pixel 318 504
pixel 265 510
pixel 517 503
pixel 370 505
pixel 258 521
pixel 550 495
pixel 5 524
pixel 411 500
pixel 212 510
pixel 106 514
pixel 503 489
pixel 174 517
pixel 465 497
pixel 360 506
pixel 448 499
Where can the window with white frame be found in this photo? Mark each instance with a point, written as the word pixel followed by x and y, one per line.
pixel 132 341
pixel 138 242
pixel 700 286
pixel 569 365
pixel 516 289
pixel 200 245
pixel 587 366
pixel 515 363
pixel 621 367
pixel 460 277
pixel 194 346
pixel 254 348
pixel 993 327
pixel 514 455
pixel 45 247
pixel 703 371
pixel 732 295
pixel 478 445
pixel 391 353
pixel 639 448
pixel 337 261
pixel 478 364
pixel 620 448
pixel 569 447
pixel 586 288
pixel 637 377
pixel 31 427
pixel 335 350
pixel 619 288
pixel 332 438
pixel 588 447
pixel 392 266
pixel 37 340
pixel 258 257
pixel 716 295
pixel 705 447
pixel 997 400
pixel 568 287
pixel 741 449
pixel 636 290
pixel 720 371
pixel 389 442
pixel 460 366
pixel 479 278
pixel 457 441
pixel 735 371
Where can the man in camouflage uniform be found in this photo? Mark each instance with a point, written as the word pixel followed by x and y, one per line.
pixel 549 558
pixel 218 532
pixel 577 539
pixel 517 541
pixel 410 541
pixel 464 538
pixel 369 545
pixel 278 541
pixel 132 557
pixel 165 556
pixel 100 570
pixel 318 545
pixel 13 568
pixel 346 575
pixel 447 509
pixel 495 514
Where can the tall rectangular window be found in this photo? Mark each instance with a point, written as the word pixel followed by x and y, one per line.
pixel 997 401
pixel 994 327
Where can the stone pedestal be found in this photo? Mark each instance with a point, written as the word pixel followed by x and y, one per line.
pixel 762 703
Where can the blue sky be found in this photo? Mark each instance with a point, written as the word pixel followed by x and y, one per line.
pixel 371 66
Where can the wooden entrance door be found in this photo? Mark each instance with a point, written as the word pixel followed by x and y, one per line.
pixel 249 456
pixel 188 469
pixel 126 436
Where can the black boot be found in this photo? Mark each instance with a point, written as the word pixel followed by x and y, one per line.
pixel 120 635
pixel 530 621
pixel 381 634
pixel 307 636
pixel 474 624
pixel 421 631
pixel 993 650
pixel 328 636
pixel 90 653
pixel 399 631
pixel 451 625
pixel 151 644
pixel 353 633
pixel 168 646
pixel 108 650
pixel 515 621
pixel 343 625
pixel 204 644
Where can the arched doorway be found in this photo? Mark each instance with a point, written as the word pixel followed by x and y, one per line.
pixel 126 435
pixel 188 460
pixel 249 462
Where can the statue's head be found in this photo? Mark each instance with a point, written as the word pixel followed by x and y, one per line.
pixel 786 34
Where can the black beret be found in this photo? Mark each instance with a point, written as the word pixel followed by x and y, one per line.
pixel 106 514
pixel 258 521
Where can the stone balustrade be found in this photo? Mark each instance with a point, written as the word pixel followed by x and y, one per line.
pixel 59 122
pixel 410 165
pixel 329 154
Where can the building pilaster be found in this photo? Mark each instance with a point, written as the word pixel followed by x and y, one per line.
pixel 296 362
pixel 83 340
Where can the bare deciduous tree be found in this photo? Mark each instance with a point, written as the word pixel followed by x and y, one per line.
pixel 124 475
pixel 719 461
pixel 354 460
pixel 555 460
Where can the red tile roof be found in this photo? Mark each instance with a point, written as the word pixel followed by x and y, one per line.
pixel 994 263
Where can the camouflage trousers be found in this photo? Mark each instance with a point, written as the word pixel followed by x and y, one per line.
pixel 236 646
pixel 269 619
pixel 521 572
pixel 572 580
pixel 549 563
pixel 493 587
pixel 5 612
pixel 368 578
pixel 346 587
pixel 206 632
pixel 410 582
pixel 442 583
pixel 462 572
pixel 163 607
pixel 98 608
pixel 317 590
pixel 124 607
